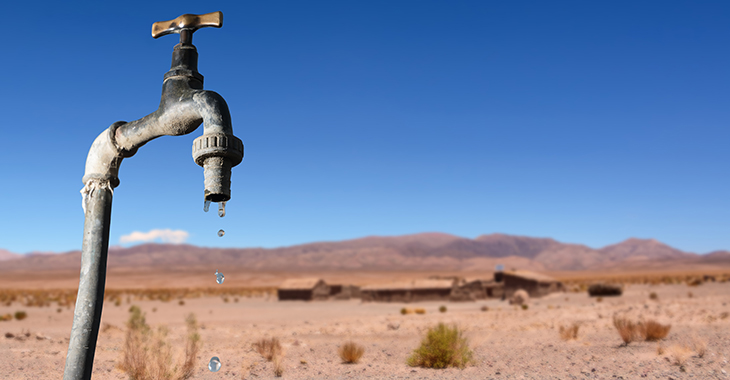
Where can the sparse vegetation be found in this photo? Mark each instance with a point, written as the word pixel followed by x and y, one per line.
pixel 605 290
pixel 278 365
pixel 6 317
pixel 181 302
pixel 699 346
pixel 660 349
pixel 690 294
pixel 626 329
pixel 569 332
pixel 485 308
pixel 351 352
pixel 679 354
pixel 599 299
pixel 147 355
pixel 420 311
pixel 406 311
pixel 442 308
pixel 20 315
pixel 524 306
pixel 442 347
pixel 269 348
pixel 652 330
pixel 653 296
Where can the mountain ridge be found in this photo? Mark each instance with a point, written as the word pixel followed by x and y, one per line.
pixel 425 251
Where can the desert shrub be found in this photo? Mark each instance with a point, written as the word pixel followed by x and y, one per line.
pixel 599 299
pixel 351 352
pixel 442 347
pixel 652 330
pixel 6 317
pixel 268 348
pixel 181 302
pixel 20 315
pixel 59 310
pixel 605 290
pixel 485 308
pixel 724 315
pixel 442 309
pixel 653 296
pixel 420 311
pixel 147 355
pixel 524 306
pixel 405 311
pixel 626 329
pixel 569 332
pixel 679 354
pixel 660 349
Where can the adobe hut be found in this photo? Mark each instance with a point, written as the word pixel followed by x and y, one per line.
pixel 413 291
pixel 476 289
pixel 303 289
pixel 536 284
pixel 344 292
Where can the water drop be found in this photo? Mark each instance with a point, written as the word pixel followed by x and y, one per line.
pixel 221 233
pixel 206 206
pixel 222 209
pixel 219 277
pixel 215 364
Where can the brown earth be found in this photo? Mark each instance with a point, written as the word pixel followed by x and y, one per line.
pixel 508 342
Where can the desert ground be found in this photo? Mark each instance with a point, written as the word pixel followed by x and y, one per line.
pixel 508 342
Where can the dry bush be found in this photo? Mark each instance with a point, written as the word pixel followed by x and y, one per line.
pixel 6 317
pixel 524 306
pixel 278 366
pixel 181 302
pixel 653 296
pixel 405 311
pixel 442 309
pixel 699 346
pixel 351 352
pixel 605 290
pixel 694 282
pixel 679 354
pixel 485 308
pixel 660 349
pixel 20 315
pixel 653 331
pixel 442 347
pixel 148 356
pixel 569 332
pixel 626 329
pixel 420 311
pixel 268 348
pixel 724 315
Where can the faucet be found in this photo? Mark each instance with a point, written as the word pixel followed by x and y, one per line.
pixel 184 105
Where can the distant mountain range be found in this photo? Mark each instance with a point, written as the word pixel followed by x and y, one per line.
pixel 426 251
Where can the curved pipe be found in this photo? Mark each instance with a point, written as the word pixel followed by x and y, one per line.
pixel 182 109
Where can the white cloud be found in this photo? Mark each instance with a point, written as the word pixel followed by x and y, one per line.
pixel 165 236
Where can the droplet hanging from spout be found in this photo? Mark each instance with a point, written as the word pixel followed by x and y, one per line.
pixel 222 209
pixel 206 205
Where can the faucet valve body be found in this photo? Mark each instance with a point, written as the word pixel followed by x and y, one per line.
pixel 217 153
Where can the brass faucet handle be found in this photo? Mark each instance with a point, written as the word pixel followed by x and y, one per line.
pixel 187 22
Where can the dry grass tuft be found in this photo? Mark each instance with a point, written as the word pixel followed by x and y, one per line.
pixel 6 317
pixel 699 346
pixel 442 347
pixel 351 352
pixel 653 296
pixel 148 356
pixel 569 332
pixel 420 311
pixel 660 349
pixel 626 329
pixel 679 354
pixel 485 308
pixel 268 348
pixel 406 311
pixel 442 309
pixel 653 331
pixel 20 315
pixel 278 365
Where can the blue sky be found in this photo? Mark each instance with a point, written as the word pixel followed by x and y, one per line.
pixel 587 122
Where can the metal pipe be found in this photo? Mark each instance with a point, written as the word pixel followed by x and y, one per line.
pixel 90 298
pixel 184 105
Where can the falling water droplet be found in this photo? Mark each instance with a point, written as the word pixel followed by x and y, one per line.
pixel 222 209
pixel 215 364
pixel 219 277
pixel 221 233
pixel 206 206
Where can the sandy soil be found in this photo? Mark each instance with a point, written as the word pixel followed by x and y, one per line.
pixel 508 342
